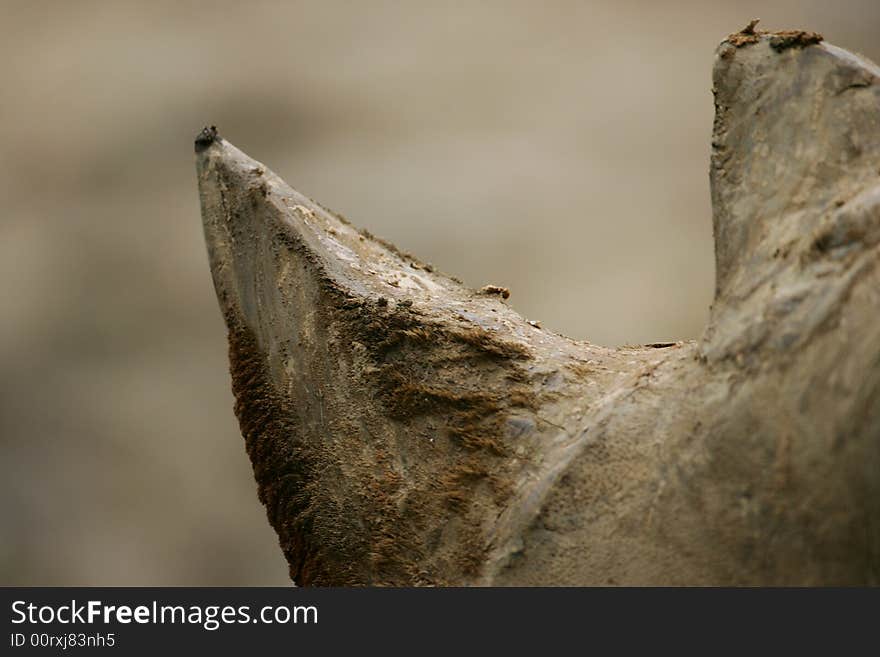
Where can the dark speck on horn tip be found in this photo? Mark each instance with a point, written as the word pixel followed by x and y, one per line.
pixel 206 137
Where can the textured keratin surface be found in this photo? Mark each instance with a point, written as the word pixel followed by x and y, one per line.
pixel 406 430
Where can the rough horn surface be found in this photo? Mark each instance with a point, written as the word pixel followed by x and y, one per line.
pixel 404 429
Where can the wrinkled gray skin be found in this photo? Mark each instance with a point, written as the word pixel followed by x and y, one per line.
pixel 749 457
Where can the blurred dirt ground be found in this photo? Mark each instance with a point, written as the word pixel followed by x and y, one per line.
pixel 559 149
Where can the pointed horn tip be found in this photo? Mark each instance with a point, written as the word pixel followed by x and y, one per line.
pixel 207 136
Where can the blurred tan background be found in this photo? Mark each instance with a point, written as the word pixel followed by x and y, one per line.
pixel 557 148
